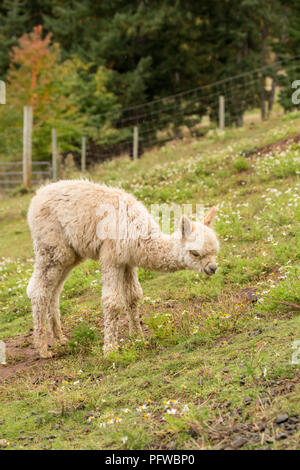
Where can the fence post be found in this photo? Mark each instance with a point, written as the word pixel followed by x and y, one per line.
pixel 27 147
pixel 221 113
pixel 83 154
pixel 54 154
pixel 2 353
pixel 135 142
pixel 2 92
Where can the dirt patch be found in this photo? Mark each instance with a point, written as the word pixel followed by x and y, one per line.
pixel 246 295
pixel 20 356
pixel 276 147
pixel 260 427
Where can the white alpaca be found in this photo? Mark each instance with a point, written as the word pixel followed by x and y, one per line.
pixel 74 220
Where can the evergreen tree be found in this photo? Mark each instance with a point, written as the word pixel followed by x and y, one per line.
pixel 13 20
pixel 128 53
pixel 288 49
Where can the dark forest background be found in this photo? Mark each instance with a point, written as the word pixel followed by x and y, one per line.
pixel 84 66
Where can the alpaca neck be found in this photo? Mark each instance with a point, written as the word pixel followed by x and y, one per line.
pixel 161 253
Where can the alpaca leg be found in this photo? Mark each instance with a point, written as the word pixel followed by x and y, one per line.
pixel 40 290
pixel 53 312
pixel 54 317
pixel 133 294
pixel 113 304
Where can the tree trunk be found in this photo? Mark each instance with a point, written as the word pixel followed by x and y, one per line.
pixel 271 97
pixel 262 100
pixel 263 63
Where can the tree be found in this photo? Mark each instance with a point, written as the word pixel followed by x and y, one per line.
pixel 288 49
pixel 12 24
pixel 64 95
pixel 31 69
pixel 140 52
pixel 36 78
pixel 16 18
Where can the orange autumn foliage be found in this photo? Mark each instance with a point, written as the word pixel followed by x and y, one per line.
pixel 31 63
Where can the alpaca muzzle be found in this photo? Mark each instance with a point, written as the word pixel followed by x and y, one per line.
pixel 210 269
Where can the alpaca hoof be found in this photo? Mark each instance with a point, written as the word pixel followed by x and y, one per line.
pixel 109 348
pixel 63 340
pixel 46 355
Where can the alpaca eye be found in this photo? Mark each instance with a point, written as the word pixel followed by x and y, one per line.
pixel 195 253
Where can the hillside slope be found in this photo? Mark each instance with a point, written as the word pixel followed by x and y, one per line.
pixel 217 368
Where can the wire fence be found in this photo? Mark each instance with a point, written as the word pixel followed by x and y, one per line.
pixel 11 173
pixel 193 112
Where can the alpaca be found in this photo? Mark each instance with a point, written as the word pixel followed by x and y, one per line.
pixel 71 221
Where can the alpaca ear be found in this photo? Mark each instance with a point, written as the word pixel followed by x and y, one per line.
pixel 185 226
pixel 209 218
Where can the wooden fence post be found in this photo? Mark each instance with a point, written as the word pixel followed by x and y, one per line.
pixel 54 154
pixel 135 142
pixel 27 146
pixel 2 92
pixel 83 154
pixel 2 353
pixel 221 113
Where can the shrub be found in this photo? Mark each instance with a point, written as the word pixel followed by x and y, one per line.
pixel 241 164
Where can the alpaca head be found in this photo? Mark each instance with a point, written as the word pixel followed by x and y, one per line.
pixel 199 244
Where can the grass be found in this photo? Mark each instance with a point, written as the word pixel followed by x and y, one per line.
pixel 215 369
